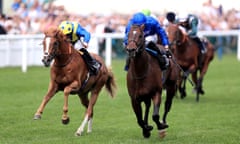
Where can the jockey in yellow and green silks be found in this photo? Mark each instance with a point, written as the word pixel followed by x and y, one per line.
pixel 74 31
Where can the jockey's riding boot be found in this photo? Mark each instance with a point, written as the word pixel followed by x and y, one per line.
pixel 153 46
pixel 161 55
pixel 164 74
pixel 93 64
pixel 200 45
pixel 127 64
pixel 163 61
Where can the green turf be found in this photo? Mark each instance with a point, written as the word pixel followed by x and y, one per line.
pixel 214 120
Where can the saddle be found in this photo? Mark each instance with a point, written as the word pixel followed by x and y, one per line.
pixel 155 51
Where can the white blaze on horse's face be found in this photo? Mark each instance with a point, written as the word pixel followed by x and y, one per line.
pixel 47 44
pixel 134 32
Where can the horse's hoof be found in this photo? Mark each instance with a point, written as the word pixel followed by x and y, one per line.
pixel 149 127
pixel 78 134
pixel 201 91
pixel 65 121
pixel 183 95
pixel 162 126
pixel 37 117
pixel 162 133
pixel 146 133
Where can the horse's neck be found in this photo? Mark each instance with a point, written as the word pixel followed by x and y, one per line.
pixel 64 58
pixel 140 63
pixel 185 43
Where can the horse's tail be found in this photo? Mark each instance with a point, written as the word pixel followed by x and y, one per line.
pixel 110 84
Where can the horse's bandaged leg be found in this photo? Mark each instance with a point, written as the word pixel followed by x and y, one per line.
pixel 81 128
pixel 89 125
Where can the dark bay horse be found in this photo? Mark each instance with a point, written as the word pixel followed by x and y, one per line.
pixel 189 57
pixel 145 83
pixel 69 73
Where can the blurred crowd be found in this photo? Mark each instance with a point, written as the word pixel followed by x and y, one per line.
pixel 34 16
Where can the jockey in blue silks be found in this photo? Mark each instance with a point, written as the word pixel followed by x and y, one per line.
pixel 74 31
pixel 152 31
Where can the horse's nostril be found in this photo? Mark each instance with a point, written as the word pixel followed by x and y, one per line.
pixel 130 50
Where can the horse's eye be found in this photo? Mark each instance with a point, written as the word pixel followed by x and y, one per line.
pixel 55 44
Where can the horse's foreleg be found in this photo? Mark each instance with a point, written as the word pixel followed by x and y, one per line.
pixel 168 102
pixel 51 91
pixel 65 117
pixel 148 104
pixel 136 105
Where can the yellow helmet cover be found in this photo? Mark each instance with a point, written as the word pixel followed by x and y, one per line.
pixel 66 27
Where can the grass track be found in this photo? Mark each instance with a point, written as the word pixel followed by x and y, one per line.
pixel 214 120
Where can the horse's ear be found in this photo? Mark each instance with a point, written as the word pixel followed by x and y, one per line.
pixel 142 26
pixel 59 34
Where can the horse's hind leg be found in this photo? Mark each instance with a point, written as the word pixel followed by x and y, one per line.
pixel 85 102
pixel 89 104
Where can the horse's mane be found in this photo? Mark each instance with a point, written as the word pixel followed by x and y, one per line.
pixel 180 28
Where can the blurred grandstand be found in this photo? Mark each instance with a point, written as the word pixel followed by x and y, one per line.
pixel 24 17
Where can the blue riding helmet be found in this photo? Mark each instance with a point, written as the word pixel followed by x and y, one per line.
pixel 139 19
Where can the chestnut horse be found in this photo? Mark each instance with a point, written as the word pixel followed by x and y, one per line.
pixel 70 74
pixel 144 83
pixel 202 68
pixel 189 57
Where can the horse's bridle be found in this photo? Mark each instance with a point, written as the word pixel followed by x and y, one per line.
pixel 138 44
pixel 48 57
pixel 135 47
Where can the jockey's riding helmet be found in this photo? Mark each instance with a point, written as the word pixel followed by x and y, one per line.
pixel 171 16
pixel 139 18
pixel 66 27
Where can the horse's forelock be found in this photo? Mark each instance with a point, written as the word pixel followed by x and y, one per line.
pixel 51 31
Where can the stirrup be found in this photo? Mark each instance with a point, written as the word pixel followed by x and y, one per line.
pixel 95 68
pixel 203 51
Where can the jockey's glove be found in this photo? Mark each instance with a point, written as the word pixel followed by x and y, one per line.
pixel 85 45
pixel 168 53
